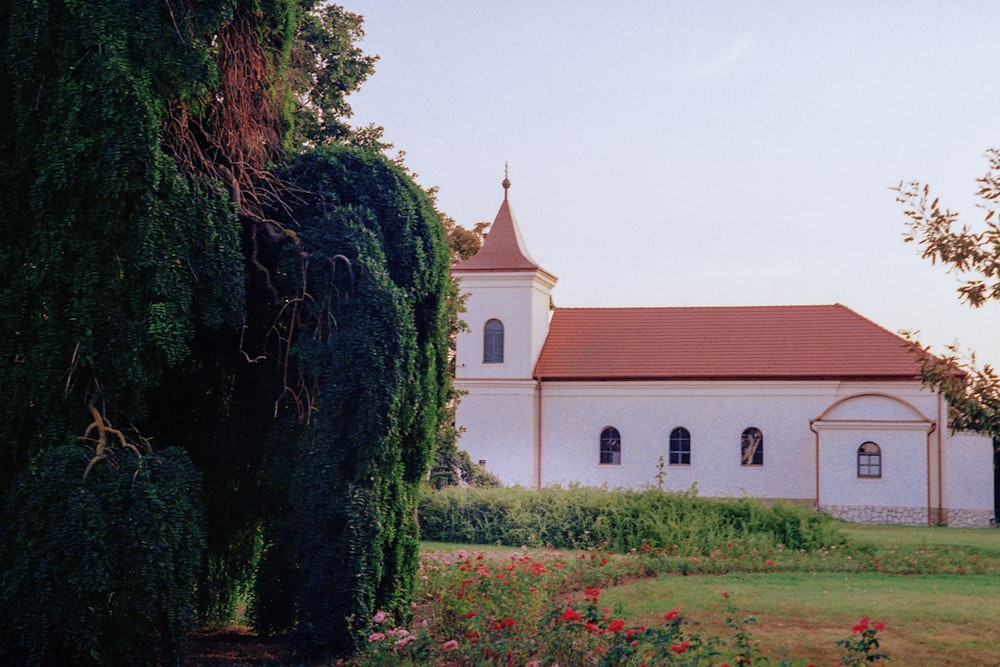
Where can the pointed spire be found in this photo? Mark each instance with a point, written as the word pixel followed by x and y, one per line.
pixel 503 249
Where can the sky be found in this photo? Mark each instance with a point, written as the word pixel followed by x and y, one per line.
pixel 703 152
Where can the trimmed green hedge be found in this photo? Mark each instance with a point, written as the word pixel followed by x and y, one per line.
pixel 621 520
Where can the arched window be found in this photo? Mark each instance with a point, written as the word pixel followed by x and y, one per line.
pixel 680 447
pixel 611 446
pixel 869 460
pixel 752 447
pixel 493 342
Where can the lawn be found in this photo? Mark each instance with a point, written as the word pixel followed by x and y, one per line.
pixel 929 619
pixel 937 590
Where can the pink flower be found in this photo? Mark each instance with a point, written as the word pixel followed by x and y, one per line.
pixel 376 637
pixel 450 645
pixel 461 553
pixel 379 617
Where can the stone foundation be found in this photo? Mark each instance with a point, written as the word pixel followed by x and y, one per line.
pixel 959 518
pixel 910 516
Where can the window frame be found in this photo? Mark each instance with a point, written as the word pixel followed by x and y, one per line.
pixel 679 447
pixel 610 447
pixel 756 459
pixel 873 470
pixel 493 341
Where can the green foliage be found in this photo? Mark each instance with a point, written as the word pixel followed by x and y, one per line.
pixel 453 467
pixel 972 391
pixel 327 67
pixel 165 264
pixel 620 520
pixel 111 257
pixel 373 379
pixel 95 567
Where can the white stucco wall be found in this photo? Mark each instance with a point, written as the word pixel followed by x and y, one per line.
pixel 715 413
pixel 499 428
pixel 905 477
pixel 521 302
pixel 968 480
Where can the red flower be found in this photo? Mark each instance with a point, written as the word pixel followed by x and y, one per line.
pixel 680 648
pixel 879 626
pixel 725 594
pixel 672 615
pixel 861 626
pixel 571 615
pixel 616 625
pixel 470 614
pixel 508 622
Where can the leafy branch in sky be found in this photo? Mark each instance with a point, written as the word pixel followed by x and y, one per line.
pixel 972 391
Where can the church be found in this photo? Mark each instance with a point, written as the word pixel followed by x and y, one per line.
pixel 811 404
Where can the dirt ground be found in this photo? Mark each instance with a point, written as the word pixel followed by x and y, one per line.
pixel 233 648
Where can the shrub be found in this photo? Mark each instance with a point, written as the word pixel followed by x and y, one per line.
pixel 95 567
pixel 621 520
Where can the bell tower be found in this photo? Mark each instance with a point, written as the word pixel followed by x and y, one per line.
pixel 507 310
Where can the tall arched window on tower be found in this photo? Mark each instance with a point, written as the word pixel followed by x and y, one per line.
pixel 869 460
pixel 493 342
pixel 680 447
pixel 752 447
pixel 611 446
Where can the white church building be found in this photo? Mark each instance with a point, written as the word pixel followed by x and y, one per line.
pixel 812 404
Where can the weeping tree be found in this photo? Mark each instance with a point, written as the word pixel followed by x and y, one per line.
pixel 207 295
pixel 342 541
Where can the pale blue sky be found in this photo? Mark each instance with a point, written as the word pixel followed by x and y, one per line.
pixel 702 153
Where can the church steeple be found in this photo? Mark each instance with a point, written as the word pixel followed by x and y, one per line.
pixel 504 248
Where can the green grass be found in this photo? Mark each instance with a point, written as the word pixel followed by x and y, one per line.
pixel 944 611
pixel 984 540
pixel 930 620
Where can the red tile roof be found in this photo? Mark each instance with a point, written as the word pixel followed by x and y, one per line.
pixel 715 343
pixel 503 249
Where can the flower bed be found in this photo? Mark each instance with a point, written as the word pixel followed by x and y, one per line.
pixel 541 610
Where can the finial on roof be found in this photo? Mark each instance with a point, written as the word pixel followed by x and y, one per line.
pixel 506 180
